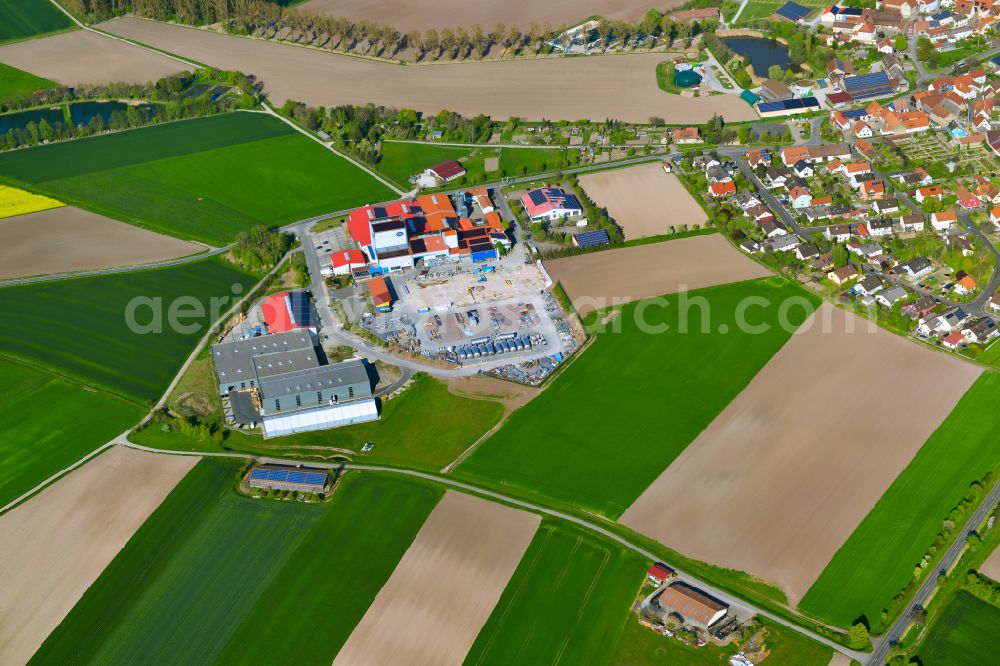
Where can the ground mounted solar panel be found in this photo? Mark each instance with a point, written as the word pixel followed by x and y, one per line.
pixel 793 11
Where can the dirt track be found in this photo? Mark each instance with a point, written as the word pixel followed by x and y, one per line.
pixel 498 89
pixel 601 279
pixel 776 483
pixel 80 56
pixel 444 588
pixel 67 239
pixel 407 15
pixel 643 200
pixel 57 543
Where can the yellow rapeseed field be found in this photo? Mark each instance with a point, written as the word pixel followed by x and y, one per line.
pixel 18 202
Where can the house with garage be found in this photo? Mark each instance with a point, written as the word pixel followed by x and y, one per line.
pixel 920 307
pixel 891 296
pixel 915 268
pixel 870 285
pixel 880 227
pixel 838 233
pixel 886 206
pixel 964 286
pixel 980 331
pixel 842 275
pixel 930 192
pixel 551 203
pixel 944 220
pixel 773 228
pixel 806 251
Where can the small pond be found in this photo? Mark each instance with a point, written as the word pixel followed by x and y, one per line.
pixel 81 113
pixel 762 53
pixel 21 119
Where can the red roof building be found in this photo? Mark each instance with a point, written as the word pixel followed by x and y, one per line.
pixel 448 171
pixel 659 572
pixel 343 262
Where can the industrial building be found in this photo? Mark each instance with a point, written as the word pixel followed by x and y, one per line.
pixel 692 604
pixel 289 311
pixel 283 477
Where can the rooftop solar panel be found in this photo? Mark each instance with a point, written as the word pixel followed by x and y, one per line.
pixel 793 11
pixel 592 238
pixel 787 105
pixel 288 476
pixel 301 307
pixel 537 197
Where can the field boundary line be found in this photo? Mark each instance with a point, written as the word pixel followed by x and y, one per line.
pixel 61 473
pixel 453 144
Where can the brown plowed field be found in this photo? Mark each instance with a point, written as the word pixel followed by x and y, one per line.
pixel 444 588
pixel 67 239
pixel 601 279
pixel 991 567
pixel 643 200
pixel 780 479
pixel 80 56
pixel 597 87
pixel 57 543
pixel 407 15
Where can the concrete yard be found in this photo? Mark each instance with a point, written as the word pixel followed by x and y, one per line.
pixel 782 477
pixel 55 545
pixel 627 82
pixel 601 279
pixel 444 588
pixel 67 239
pixel 643 200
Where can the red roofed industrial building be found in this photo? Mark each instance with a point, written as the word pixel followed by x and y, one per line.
pixel 288 311
pixel 345 261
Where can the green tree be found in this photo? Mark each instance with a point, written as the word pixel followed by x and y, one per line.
pixel 775 72
pixel 857 637
pixel 900 43
pixel 840 256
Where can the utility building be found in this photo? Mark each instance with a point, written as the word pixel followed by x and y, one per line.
pixel 282 477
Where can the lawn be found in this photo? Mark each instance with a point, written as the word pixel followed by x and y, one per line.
pixel 79 327
pixel 30 18
pixel 204 179
pixel 522 161
pixel 401 435
pixel 17 83
pixel 878 559
pixel 335 574
pixel 50 423
pixel 666 388
pixel 758 10
pixel 965 634
pixel 400 160
pixel 566 603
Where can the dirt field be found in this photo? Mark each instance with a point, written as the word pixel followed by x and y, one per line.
pixel 80 56
pixel 62 240
pixel 407 15
pixel 432 607
pixel 991 567
pixel 627 83
pixel 643 200
pixel 776 484
pixel 839 659
pixel 593 281
pixel 57 543
pixel 509 394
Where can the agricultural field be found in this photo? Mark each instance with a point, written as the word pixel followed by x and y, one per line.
pixel 629 91
pixel 15 83
pixel 567 601
pixel 56 544
pixel 78 327
pixel 20 202
pixel 877 560
pixel 791 487
pixel 30 18
pixel 50 423
pixel 965 634
pixel 204 179
pixel 684 379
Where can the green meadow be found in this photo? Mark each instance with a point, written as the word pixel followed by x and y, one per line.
pixel 30 18
pixel 213 577
pixel 205 179
pixel 15 82
pixel 613 420
pixel 401 160
pixel 878 559
pixel 964 634
pixel 567 602
pixel 50 423
pixel 79 327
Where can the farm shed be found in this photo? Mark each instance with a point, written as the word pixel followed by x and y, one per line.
pixel 692 604
pixel 283 477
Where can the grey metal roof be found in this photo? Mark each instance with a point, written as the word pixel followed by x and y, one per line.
pixel 234 361
pixel 351 373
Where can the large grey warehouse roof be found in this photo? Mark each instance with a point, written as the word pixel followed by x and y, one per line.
pixel 243 360
pixel 348 373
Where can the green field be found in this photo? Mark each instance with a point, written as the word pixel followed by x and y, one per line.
pixel 522 161
pixel 567 443
pixel 16 83
pixel 399 160
pixel 215 577
pixel 204 179
pixel 878 559
pixel 965 634
pixel 78 327
pixel 30 18
pixel 50 423
pixel 566 603
pixel 400 435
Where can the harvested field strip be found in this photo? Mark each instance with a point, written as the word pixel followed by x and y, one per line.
pixel 185 604
pixel 30 18
pixel 15 82
pixel 566 603
pixel 79 328
pixel 601 279
pixel 878 559
pixel 56 544
pixel 335 574
pixel 964 634
pixel 68 239
pixel 445 586
pixel 627 82
pixel 670 383
pixel 785 478
pixel 49 423
pixel 19 202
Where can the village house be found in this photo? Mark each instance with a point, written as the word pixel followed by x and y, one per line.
pixel 842 275
pixel 932 192
pixel 913 223
pixel 891 296
pixel 839 233
pixel 683 135
pixel 944 220
pixel 869 286
pixel 964 286
pixel 915 268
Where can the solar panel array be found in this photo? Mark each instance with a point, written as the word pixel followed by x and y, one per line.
pixel 592 238
pixel 868 85
pixel 288 476
pixel 789 104
pixel 793 11
pixel 537 197
pixel 302 312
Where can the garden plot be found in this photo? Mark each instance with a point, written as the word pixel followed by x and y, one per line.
pixel 445 587
pixel 781 478
pixel 56 544
pixel 601 279
pixel 643 200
